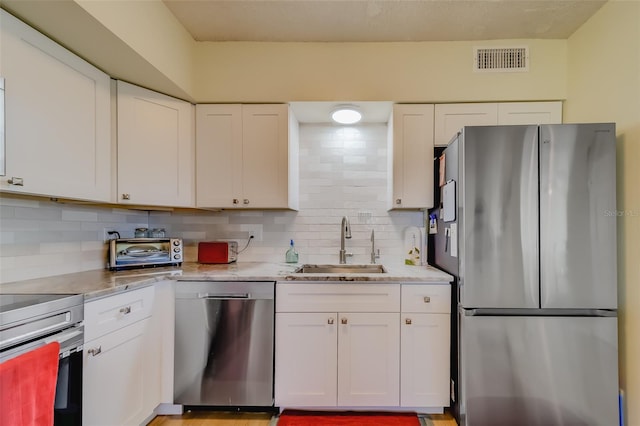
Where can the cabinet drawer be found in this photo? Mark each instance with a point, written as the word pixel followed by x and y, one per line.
pixel 338 297
pixel 426 298
pixel 114 312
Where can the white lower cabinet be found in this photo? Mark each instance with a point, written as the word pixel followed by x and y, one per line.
pixel 351 345
pixel 125 356
pixel 114 379
pixel 425 348
pixel 306 359
pixel 337 359
pixel 368 359
pixel 424 375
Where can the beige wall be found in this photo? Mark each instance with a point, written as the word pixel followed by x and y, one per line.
pixel 400 72
pixel 604 85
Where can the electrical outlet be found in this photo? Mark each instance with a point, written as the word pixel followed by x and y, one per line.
pixel 106 236
pixel 256 234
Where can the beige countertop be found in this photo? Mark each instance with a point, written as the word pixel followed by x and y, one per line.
pixel 98 283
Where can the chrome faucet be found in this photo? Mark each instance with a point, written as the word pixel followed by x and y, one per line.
pixel 374 255
pixel 345 232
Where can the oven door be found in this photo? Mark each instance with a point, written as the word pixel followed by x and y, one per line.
pixel 68 400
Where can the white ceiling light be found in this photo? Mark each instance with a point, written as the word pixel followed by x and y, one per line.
pixel 346 114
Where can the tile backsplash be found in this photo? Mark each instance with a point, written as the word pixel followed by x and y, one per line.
pixel 343 172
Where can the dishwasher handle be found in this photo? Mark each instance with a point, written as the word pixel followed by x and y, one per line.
pixel 224 296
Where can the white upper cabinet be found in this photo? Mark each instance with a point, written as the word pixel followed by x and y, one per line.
pixel 450 118
pixel 155 148
pixel 530 113
pixel 247 156
pixel 411 157
pixel 58 115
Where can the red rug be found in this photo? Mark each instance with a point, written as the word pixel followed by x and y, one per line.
pixel 346 418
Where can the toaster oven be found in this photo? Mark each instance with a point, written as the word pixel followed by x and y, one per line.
pixel 144 252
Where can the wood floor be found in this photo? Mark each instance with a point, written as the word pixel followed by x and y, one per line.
pixel 256 419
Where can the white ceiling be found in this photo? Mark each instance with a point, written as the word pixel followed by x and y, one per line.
pixel 380 20
pixel 377 21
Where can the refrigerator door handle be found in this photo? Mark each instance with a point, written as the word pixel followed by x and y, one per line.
pixel 478 312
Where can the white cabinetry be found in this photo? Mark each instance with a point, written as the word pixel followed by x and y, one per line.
pixel 247 156
pixel 121 359
pixel 450 118
pixel 155 148
pixel 425 349
pixel 411 157
pixel 337 345
pixel 58 115
pixel 530 113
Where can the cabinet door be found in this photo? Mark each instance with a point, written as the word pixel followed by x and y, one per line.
pixel 58 115
pixel 305 359
pixel 450 118
pixel 218 155
pixel 425 361
pixel 368 359
pixel 530 113
pixel 155 148
pixel 265 156
pixel 114 379
pixel 411 157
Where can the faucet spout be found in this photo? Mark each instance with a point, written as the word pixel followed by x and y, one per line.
pixel 345 232
pixel 374 255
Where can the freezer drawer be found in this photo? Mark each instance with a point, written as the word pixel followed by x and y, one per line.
pixel 538 371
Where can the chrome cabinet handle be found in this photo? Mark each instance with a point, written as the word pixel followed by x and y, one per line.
pixel 407 321
pixel 343 320
pixel 330 321
pixel 94 351
pixel 427 299
pixel 126 310
pixel 236 201
pixel 126 196
pixel 17 181
pixel 245 201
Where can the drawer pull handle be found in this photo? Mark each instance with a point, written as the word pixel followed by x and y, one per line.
pixel 94 351
pixel 17 181
pixel 408 321
pixel 126 310
pixel 427 299
pixel 344 320
pixel 330 321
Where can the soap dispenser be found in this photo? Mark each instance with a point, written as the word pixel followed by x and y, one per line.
pixel 292 254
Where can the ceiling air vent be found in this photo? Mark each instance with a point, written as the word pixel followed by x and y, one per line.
pixel 507 59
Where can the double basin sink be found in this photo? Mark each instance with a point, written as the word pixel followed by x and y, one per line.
pixel 341 269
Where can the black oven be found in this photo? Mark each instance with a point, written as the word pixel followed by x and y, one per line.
pixel 28 321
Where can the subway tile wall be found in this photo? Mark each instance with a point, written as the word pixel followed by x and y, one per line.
pixel 343 172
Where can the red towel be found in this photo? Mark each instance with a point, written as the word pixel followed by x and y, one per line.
pixel 28 387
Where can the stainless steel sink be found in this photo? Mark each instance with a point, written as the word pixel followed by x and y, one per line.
pixel 341 269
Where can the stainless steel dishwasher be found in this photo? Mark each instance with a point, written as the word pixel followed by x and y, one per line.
pixel 224 343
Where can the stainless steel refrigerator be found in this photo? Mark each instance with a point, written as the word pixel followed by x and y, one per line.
pixel 527 224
